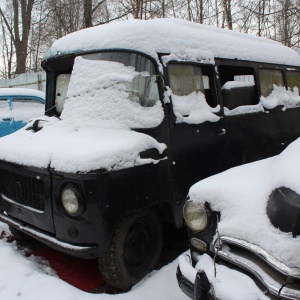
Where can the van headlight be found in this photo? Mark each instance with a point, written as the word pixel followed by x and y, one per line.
pixel 72 200
pixel 196 216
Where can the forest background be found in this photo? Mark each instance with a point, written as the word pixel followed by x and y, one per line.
pixel 29 27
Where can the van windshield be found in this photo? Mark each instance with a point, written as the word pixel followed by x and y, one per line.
pixel 111 86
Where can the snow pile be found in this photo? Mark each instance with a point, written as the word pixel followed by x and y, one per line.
pixel 191 55
pixel 281 96
pixel 23 278
pixel 245 109
pixel 193 109
pixel 97 93
pixel 174 36
pixel 236 84
pixel 241 195
pixel 71 149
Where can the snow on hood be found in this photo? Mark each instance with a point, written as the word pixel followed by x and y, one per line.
pixel 241 195
pixel 175 36
pixel 69 149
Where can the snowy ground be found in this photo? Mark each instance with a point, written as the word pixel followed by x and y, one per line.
pixel 23 278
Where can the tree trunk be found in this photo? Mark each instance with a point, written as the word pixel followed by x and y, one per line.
pixel 88 13
pixel 227 13
pixel 21 43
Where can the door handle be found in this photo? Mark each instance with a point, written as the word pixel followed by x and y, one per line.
pixel 7 119
pixel 221 131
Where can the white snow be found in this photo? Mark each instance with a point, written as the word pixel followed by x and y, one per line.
pixel 193 109
pixel 21 92
pixel 281 96
pixel 97 91
pixel 236 84
pixel 175 36
pixel 241 195
pixel 245 109
pixel 23 278
pixel 61 144
pixel 24 111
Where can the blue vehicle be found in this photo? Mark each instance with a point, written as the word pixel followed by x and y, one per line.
pixel 18 106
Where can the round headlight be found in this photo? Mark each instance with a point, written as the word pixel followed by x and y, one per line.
pixel 70 201
pixel 195 216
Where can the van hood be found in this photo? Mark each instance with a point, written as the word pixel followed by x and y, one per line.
pixel 59 144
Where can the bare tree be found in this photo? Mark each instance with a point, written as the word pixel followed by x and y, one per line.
pixel 19 32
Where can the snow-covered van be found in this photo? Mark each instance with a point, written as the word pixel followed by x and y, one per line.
pixel 137 112
pixel 18 106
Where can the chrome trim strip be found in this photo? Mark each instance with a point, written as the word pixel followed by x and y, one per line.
pixel 45 238
pixel 264 255
pixel 21 205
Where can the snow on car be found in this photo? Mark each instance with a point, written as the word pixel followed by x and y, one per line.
pixel 18 106
pixel 247 218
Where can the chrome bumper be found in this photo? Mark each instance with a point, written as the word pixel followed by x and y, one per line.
pixel 47 239
pixel 281 280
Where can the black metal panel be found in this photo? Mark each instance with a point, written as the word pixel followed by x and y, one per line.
pixel 25 194
pixel 25 190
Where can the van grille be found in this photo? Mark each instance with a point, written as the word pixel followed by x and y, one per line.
pixel 22 189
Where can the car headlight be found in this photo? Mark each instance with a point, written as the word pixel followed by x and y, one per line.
pixel 71 200
pixel 195 216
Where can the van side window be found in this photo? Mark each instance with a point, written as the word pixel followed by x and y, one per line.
pixel 185 79
pixel 238 87
pixel 193 99
pixel 293 80
pixel 267 79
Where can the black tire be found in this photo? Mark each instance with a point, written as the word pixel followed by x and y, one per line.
pixel 19 236
pixel 134 251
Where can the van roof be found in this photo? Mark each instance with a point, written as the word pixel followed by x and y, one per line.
pixel 183 39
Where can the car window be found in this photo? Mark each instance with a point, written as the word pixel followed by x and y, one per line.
pixel 62 84
pixel 293 80
pixel 23 109
pixel 267 79
pixel 4 108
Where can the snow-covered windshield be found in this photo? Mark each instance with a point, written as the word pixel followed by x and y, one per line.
pixel 115 87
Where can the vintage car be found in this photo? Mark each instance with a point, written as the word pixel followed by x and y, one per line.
pixel 248 219
pixel 18 106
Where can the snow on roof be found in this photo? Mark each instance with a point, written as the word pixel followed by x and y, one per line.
pixel 21 92
pixel 178 37
pixel 241 195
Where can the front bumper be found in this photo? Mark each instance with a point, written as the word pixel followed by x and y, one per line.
pixel 276 278
pixel 89 251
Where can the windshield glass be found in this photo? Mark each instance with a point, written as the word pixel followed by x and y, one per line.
pixel 117 87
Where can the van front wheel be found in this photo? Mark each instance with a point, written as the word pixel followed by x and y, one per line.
pixel 134 251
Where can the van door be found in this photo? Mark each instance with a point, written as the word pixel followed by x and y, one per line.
pixel 197 131
pixel 6 120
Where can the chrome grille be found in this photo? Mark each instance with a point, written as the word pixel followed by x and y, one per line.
pixel 25 190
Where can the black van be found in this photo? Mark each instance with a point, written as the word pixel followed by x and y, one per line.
pixel 136 112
